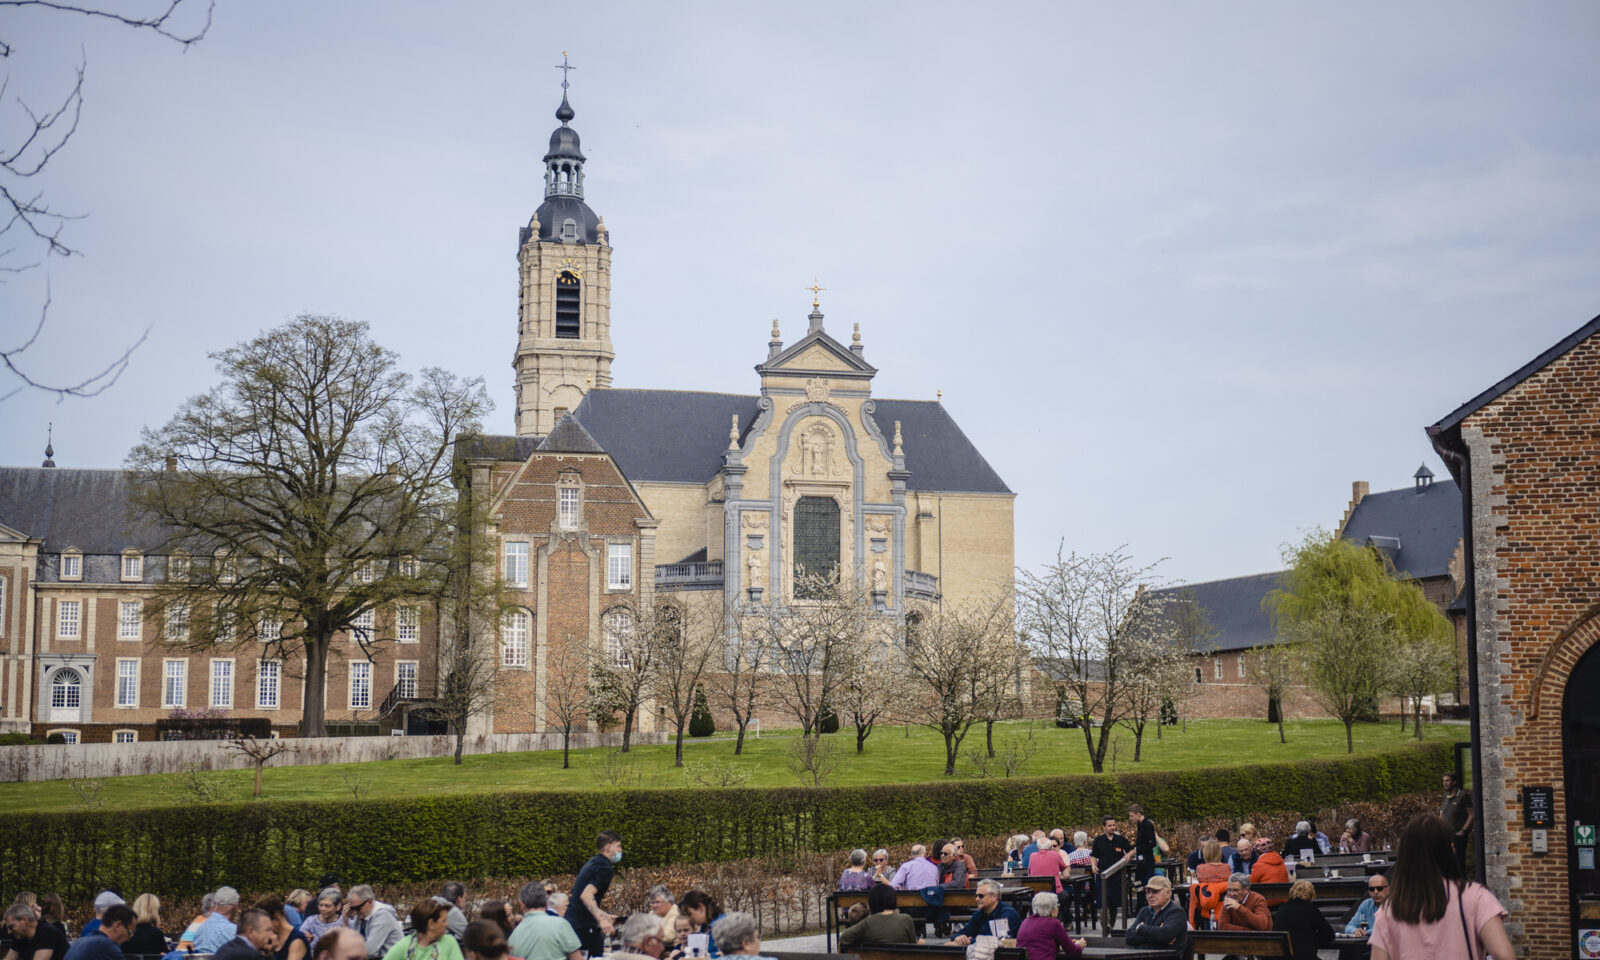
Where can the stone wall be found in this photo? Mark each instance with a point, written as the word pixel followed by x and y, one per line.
pixel 59 762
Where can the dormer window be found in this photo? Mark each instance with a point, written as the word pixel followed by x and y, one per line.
pixel 569 301
pixel 72 565
pixel 569 230
pixel 132 566
pixel 227 569
pixel 178 567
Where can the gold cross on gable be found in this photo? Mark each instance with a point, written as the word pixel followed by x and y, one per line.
pixel 815 289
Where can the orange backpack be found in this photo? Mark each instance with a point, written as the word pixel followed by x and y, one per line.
pixel 1206 895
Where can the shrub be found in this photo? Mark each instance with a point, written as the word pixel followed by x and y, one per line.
pixel 701 723
pixel 17 739
pixel 275 845
pixel 56 738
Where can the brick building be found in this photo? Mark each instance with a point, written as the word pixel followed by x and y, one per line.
pixel 80 655
pixel 1526 453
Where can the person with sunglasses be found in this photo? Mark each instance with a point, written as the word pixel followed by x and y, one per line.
pixel 1360 924
pixel 882 869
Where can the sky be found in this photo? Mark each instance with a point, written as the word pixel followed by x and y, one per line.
pixel 1182 272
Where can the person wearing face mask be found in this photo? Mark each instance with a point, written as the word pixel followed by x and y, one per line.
pixel 589 920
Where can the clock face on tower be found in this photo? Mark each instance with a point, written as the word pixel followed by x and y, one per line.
pixel 568 265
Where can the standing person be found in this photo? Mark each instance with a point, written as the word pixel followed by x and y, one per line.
pixel 1109 849
pixel 429 938
pixel 1456 810
pixel 1308 930
pixel 541 936
pixel 1433 911
pixel 589 920
pixel 1144 843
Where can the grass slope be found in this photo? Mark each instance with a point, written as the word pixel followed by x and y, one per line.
pixel 891 757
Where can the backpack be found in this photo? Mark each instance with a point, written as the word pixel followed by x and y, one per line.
pixel 1205 900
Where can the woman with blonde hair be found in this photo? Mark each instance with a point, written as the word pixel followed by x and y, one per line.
pixel 147 936
pixel 1307 928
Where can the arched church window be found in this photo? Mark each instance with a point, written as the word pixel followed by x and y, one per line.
pixel 569 298
pixel 816 545
pixel 66 690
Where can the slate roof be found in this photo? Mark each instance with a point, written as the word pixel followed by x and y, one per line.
pixel 498 447
pixel 1234 609
pixel 569 437
pixel 86 509
pixel 1425 521
pixel 938 453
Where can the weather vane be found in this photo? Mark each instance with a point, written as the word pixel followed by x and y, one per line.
pixel 564 66
pixel 815 290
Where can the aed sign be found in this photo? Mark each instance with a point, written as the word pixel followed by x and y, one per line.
pixel 1583 834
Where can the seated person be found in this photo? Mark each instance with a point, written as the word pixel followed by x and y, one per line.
pixel 1308 930
pixel 1242 909
pixel 1360 924
pixel 1303 841
pixel 990 908
pixel 1042 933
pixel 1161 922
pixel 1268 868
pixel 885 924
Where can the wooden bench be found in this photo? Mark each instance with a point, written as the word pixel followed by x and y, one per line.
pixel 960 902
pixel 1244 943
pixel 1098 948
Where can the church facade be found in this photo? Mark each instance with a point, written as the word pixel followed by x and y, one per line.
pixel 732 497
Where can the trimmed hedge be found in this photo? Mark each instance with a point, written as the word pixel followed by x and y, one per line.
pixel 277 845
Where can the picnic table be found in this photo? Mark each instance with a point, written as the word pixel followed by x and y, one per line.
pixel 1101 948
pixel 956 901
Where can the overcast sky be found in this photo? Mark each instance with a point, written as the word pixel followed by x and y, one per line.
pixel 1182 271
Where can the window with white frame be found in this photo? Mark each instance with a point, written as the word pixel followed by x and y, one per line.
pixel 222 684
pixel 618 628
pixel 66 690
pixel 269 675
pixel 124 736
pixel 514 640
pixel 619 566
pixel 226 627
pixel 227 569
pixel 67 736
pixel 366 571
pixel 128 682
pixel 130 619
pixel 132 567
pixel 178 567
pixel 175 684
pixel 177 621
pixel 71 566
pixel 363 627
pixel 405 679
pixel 516 564
pixel 568 498
pixel 68 613
pixel 405 624
pixel 360 684
pixel 409 566
pixel 271 629
pixel 1216 666
pixel 1241 666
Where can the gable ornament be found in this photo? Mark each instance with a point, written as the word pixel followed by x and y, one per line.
pixel 818 389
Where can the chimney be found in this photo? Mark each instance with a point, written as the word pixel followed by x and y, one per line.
pixel 1358 493
pixel 172 463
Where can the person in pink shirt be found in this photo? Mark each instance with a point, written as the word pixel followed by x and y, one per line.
pixel 1433 910
pixel 1048 862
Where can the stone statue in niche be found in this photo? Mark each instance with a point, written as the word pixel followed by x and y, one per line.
pixel 817 452
pixel 880 576
pixel 754 563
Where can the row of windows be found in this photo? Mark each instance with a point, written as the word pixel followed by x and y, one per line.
pixel 1216 669
pixel 617 626
pixel 619 564
pixel 130 622
pixel 178 567
pixel 66 685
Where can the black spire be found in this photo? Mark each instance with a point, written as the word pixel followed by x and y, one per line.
pixel 564 112
pixel 49 447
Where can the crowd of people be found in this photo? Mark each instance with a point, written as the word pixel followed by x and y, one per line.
pixel 1409 911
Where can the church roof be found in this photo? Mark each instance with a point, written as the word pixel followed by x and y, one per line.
pixel 569 437
pixel 1234 609
pixel 676 436
pixel 82 509
pixel 1417 527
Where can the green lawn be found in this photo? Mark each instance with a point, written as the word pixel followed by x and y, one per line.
pixel 891 757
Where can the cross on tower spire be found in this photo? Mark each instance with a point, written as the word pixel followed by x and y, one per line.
pixel 815 290
pixel 564 67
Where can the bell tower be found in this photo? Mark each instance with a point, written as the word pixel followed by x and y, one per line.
pixel 564 296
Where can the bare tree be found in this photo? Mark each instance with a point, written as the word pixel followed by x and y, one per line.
pixel 958 664
pixel 813 759
pixel 816 643
pixel 1157 669
pixel 1274 668
pixel 686 638
pixel 312 487
pixel 566 688
pixel 867 695
pixel 745 677
pixel 472 601
pixel 29 219
pixel 259 752
pixel 1080 617
pixel 1422 668
pixel 624 670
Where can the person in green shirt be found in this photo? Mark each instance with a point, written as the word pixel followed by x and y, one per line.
pixel 430 923
pixel 541 936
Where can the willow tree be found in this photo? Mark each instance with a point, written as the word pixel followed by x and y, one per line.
pixel 305 494
pixel 1350 611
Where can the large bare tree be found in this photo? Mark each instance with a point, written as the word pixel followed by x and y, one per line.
pixel 1081 617
pixel 959 665
pixel 566 688
pixel 471 602
pixel 626 666
pixel 815 644
pixel 1157 669
pixel 687 637
pixel 744 677
pixel 307 489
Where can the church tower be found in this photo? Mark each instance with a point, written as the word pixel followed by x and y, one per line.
pixel 564 300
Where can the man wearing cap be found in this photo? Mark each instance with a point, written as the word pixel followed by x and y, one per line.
pixel 116 923
pixel 218 928
pixel 107 898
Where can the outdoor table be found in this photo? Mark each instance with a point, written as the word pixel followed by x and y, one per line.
pixel 1036 884
pixel 961 898
pixel 1109 948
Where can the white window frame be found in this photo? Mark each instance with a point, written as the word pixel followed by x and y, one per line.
pixel 124 736
pixel 407 623
pixel 71 736
pixel 129 702
pixel 226 567
pixel 132 567
pixel 617 627
pixel 360 670
pixel 69 619
pixel 76 688
pixel 176 628
pixel 569 505
pixel 515 630
pixel 270 629
pixel 400 678
pixel 515 563
pixel 619 566
pixel 168 675
pixel 72 565
pixel 366 571
pixel 130 629
pixel 269 677
pixel 364 626
pixel 409 566
pixel 1241 666
pixel 221 671
pixel 1216 668
pixel 178 566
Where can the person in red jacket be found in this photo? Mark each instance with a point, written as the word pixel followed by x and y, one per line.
pixel 1242 909
pixel 1269 867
